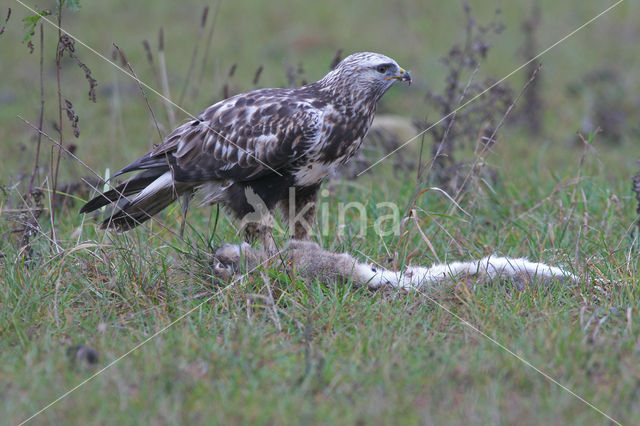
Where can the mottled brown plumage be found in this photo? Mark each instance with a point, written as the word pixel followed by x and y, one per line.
pixel 261 142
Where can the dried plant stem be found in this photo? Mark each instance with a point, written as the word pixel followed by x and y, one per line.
pixel 41 117
pixel 636 190
pixel 194 55
pixel 33 198
pixel 225 86
pixel 513 104
pixel 59 51
pixel 171 116
pixel 117 127
pixel 205 59
pixel 491 139
pixel 5 21
pixel 420 167
pixel 152 64
pixel 256 76
pixel 419 176
pixel 85 165
pixel 270 301
pixel 451 120
pixel 124 60
pixel 533 105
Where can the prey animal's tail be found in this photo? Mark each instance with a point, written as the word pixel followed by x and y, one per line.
pixel 312 261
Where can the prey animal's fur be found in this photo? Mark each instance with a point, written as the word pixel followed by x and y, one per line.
pixel 312 262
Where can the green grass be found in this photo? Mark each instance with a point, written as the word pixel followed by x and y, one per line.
pixel 327 354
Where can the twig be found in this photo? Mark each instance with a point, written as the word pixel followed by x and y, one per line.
pixel 203 22
pixel 124 60
pixel 171 116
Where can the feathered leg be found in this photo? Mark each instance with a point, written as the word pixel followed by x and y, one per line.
pixel 300 210
pixel 263 232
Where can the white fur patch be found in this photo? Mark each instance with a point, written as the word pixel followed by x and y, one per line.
pixel 482 271
pixel 490 267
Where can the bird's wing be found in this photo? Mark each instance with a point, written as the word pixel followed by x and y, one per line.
pixel 240 138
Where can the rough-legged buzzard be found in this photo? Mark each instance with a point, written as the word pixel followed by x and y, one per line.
pixel 259 143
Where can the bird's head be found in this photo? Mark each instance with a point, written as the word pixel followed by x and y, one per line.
pixel 368 71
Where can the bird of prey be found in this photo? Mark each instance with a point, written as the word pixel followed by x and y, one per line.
pixel 258 144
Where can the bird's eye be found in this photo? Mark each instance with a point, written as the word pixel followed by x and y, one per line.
pixel 382 68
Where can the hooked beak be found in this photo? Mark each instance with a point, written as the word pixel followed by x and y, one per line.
pixel 402 76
